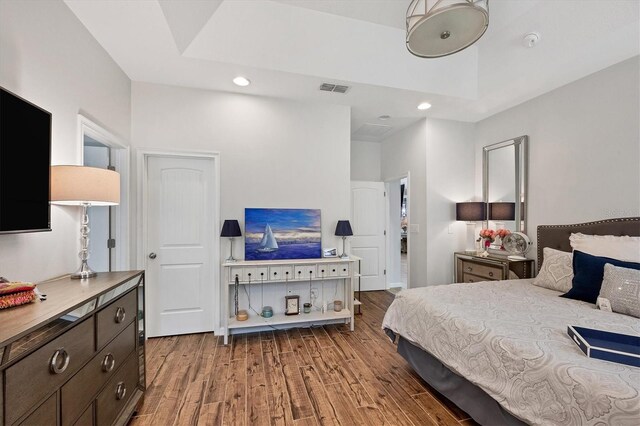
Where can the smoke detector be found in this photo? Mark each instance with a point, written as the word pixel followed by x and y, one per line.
pixel 531 39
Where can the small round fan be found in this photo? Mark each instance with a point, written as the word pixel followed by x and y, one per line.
pixel 518 244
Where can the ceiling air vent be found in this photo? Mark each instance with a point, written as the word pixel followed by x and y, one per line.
pixel 337 88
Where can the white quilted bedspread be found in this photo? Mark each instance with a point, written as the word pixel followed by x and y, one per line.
pixel 510 338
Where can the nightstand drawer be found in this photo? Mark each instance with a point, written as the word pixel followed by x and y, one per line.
pixel 488 272
pixel 470 278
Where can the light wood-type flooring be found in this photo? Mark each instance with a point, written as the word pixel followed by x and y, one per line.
pixel 303 376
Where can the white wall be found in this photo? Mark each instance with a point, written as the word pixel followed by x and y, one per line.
pixel 402 152
pixel 439 154
pixel 274 153
pixel 450 179
pixel 365 161
pixel 584 147
pixel 48 57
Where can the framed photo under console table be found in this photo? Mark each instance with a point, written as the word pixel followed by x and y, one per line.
pixel 470 268
pixel 267 284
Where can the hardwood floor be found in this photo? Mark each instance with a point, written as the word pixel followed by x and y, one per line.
pixel 314 376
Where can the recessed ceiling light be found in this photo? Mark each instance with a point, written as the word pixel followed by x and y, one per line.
pixel 424 105
pixel 241 81
pixel 384 117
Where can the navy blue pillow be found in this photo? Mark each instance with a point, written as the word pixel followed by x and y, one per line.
pixel 588 273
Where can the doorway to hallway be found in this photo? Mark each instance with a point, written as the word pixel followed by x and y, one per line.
pixel 398 253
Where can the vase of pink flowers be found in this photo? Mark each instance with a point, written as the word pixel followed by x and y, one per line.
pixel 487 236
pixel 492 239
pixel 500 234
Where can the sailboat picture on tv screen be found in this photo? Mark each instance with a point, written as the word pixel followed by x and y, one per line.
pixel 282 234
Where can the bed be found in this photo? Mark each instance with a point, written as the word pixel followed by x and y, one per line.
pixel 500 351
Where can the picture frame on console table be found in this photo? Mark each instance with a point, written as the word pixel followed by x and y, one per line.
pixel 330 252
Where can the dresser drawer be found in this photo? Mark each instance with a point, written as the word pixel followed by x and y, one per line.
pixel 45 414
pixel 82 388
pixel 117 392
pixel 33 377
pixel 488 272
pixel 86 419
pixel 115 317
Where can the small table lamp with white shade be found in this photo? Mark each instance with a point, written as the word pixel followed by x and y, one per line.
pixel 86 187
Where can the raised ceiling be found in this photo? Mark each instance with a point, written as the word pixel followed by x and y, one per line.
pixel 288 48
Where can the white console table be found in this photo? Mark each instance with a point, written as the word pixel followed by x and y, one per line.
pixel 266 283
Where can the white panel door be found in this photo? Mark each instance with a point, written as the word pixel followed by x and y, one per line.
pixel 368 222
pixel 180 212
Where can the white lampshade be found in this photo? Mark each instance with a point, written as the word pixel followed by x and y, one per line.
pixel 77 185
pixel 438 28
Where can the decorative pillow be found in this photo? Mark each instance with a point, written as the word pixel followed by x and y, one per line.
pixel 588 272
pixel 556 272
pixel 621 286
pixel 622 248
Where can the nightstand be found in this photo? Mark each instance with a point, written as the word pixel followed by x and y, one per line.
pixel 470 268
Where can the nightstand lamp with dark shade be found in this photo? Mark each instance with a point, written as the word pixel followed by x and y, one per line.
pixel 231 229
pixel 471 212
pixel 501 211
pixel 343 229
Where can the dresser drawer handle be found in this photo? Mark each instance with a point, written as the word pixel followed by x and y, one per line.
pixel 490 274
pixel 59 361
pixel 469 268
pixel 121 391
pixel 108 363
pixel 120 315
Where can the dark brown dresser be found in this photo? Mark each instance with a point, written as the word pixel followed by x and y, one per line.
pixel 470 268
pixel 77 358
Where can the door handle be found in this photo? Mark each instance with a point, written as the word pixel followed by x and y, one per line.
pixel 152 255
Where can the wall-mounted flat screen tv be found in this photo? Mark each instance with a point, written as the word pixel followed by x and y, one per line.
pixel 25 160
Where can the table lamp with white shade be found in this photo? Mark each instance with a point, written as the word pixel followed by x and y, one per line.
pixel 86 187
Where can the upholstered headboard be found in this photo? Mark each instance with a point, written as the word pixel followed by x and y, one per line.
pixel 557 236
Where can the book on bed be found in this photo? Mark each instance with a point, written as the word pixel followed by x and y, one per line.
pixel 607 346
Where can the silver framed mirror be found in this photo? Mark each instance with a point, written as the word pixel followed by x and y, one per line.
pixel 505 183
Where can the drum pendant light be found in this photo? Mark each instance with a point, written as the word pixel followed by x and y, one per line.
pixel 437 28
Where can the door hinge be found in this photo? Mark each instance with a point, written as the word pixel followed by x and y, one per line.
pixel 111 243
pixel 385 193
pixel 385 272
pixel 111 168
pixel 385 232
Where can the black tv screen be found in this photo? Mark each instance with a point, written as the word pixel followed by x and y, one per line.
pixel 25 159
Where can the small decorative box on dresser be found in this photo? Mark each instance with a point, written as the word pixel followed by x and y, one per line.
pixel 76 358
pixel 470 268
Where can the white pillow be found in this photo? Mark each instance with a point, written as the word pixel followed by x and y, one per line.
pixel 556 272
pixel 621 287
pixel 622 248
